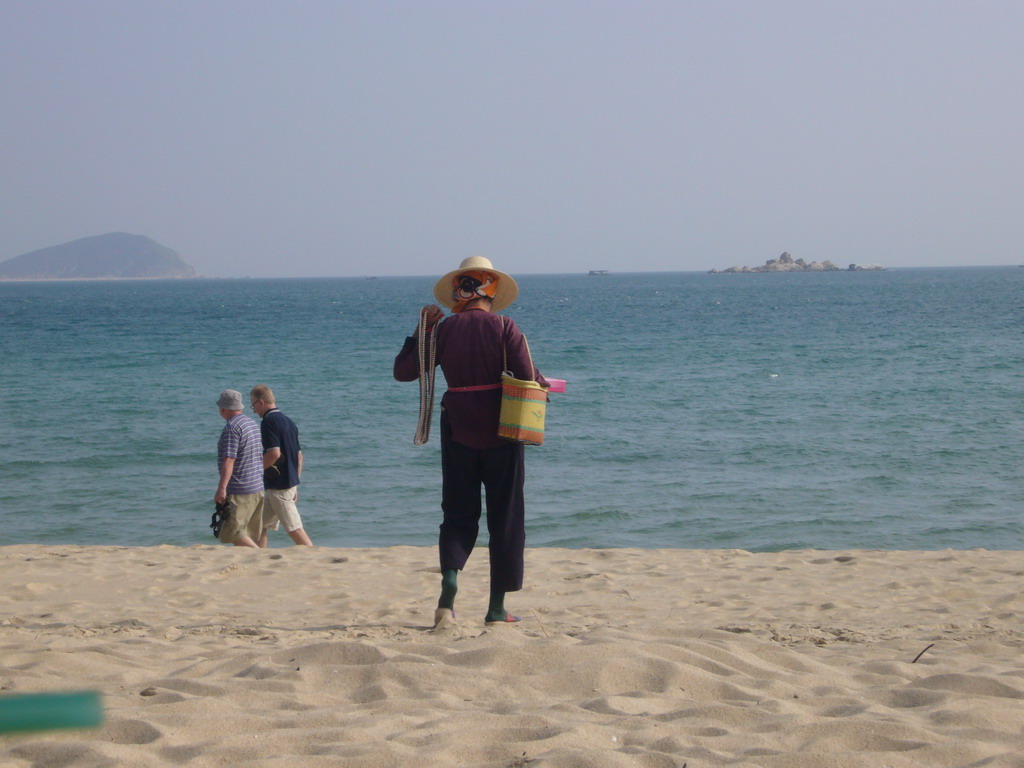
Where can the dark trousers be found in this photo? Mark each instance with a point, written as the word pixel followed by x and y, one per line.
pixel 501 471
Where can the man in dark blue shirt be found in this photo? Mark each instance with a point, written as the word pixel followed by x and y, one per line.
pixel 282 467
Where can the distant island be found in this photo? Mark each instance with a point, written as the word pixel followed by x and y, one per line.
pixel 786 263
pixel 114 256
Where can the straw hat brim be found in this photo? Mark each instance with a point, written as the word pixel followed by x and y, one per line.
pixel 507 291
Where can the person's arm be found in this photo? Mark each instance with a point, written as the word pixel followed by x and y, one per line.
pixel 407 363
pixel 270 456
pixel 407 366
pixel 226 470
pixel 298 469
pixel 520 361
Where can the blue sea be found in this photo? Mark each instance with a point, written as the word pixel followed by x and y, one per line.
pixel 762 412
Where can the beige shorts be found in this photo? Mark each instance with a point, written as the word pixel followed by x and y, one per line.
pixel 246 514
pixel 280 506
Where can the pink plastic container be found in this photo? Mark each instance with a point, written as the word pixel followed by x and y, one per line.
pixel 557 385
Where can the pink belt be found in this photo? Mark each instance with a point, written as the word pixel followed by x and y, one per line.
pixel 477 388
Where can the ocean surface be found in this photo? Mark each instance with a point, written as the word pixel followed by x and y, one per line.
pixel 760 412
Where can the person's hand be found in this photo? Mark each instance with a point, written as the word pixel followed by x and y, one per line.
pixel 219 496
pixel 434 315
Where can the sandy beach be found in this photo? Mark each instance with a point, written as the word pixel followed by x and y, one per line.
pixel 216 656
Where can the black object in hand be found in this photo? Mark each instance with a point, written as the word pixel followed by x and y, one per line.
pixel 221 512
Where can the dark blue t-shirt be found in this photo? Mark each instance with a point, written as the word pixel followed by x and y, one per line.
pixel 278 431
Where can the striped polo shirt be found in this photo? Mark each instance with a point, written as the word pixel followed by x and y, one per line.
pixel 240 440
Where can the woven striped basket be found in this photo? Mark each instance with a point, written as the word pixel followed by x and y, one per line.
pixel 523 404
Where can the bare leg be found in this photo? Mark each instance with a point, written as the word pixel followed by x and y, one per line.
pixel 298 536
pixel 245 541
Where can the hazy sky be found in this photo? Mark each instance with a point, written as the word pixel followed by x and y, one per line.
pixel 395 138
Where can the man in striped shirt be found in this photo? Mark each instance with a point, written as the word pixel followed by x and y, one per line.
pixel 240 461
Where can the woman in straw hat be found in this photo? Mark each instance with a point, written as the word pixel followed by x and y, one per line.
pixel 473 344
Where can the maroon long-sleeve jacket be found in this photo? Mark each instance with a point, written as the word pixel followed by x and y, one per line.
pixel 472 349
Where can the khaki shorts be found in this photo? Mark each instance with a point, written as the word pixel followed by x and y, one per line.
pixel 280 506
pixel 246 514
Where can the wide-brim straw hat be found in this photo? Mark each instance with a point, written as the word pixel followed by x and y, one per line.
pixel 507 291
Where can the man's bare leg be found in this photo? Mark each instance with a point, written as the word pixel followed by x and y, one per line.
pixel 299 537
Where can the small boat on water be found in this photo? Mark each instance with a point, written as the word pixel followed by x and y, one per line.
pixel 599 272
